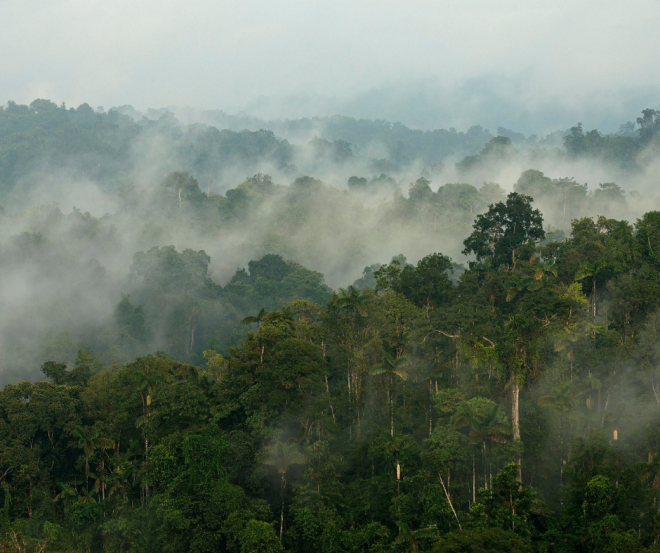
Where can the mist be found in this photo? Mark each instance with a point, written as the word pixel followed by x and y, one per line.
pixel 74 220
pixel 331 276
pixel 532 68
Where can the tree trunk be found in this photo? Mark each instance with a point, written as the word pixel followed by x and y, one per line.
pixel 450 503
pixel 356 387
pixel 561 465
pixel 327 389
pixel 389 397
pixel 350 393
pixel 515 420
pixel 398 492
pixel 594 296
pixel 474 480
pixel 282 511
pixel 485 466
pixel 430 406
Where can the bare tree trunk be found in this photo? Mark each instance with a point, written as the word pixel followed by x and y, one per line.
pixel 450 503
pixel 607 404
pixel 357 405
pixel 474 480
pixel 515 420
pixel 398 493
pixel 430 406
pixel 594 295
pixel 282 511
pixel 350 394
pixel 485 466
pixel 327 389
pixel 389 397
pixel 561 465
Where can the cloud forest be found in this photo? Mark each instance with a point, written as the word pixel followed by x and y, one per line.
pixel 226 333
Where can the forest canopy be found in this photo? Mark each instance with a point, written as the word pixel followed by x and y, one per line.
pixel 342 352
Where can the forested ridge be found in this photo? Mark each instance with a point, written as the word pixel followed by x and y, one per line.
pixel 178 375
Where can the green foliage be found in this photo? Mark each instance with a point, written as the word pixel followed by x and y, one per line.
pixel 491 540
pixel 383 416
pixel 507 232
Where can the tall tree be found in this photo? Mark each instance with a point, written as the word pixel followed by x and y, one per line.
pixel 507 232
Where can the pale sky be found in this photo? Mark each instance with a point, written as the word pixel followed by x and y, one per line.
pixel 224 54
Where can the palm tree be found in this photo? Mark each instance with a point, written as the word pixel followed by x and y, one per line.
pixel 486 423
pixel 67 495
pixel 281 456
pixel 90 440
pixel 120 480
pixel 259 318
pixel 391 367
pixel 147 380
pixel 100 480
pixel 86 496
pixel 590 270
pixel 538 280
pixel 350 299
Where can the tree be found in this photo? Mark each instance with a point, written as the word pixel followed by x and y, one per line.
pixel 90 440
pixel 446 452
pixel 649 124
pixel 55 371
pixel 391 367
pixel 488 540
pixel 282 455
pixel 352 300
pixel 509 506
pixel 562 398
pixel 507 232
pixel 486 423
pixel 591 270
pixel 179 181
pixel 575 141
pixel 258 318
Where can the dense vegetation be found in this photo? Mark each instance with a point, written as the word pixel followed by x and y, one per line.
pixel 504 401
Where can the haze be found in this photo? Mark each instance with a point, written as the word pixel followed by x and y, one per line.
pixel 533 66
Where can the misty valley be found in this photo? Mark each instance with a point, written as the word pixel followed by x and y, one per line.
pixel 226 333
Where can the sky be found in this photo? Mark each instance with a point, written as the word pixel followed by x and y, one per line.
pixel 426 62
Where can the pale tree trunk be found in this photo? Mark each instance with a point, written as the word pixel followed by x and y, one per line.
pixel 594 296
pixel 389 397
pixel 350 394
pixel 485 467
pixel 327 389
pixel 282 511
pixel 474 480
pixel 515 420
pixel 450 503
pixel 561 464
pixel 356 387
pixel 430 406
